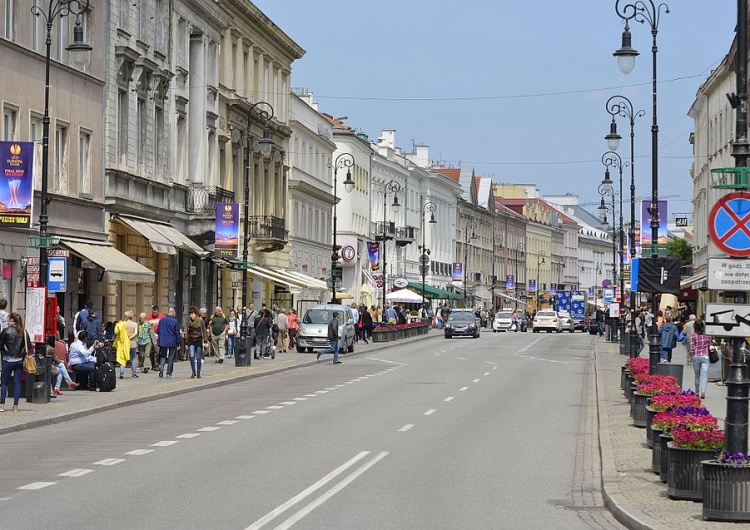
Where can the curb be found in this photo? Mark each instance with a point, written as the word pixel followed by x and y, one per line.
pixel 176 392
pixel 624 511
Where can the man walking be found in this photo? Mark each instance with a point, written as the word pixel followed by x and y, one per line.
pixel 282 322
pixel 333 336
pixel 169 340
pixel 687 330
pixel 219 326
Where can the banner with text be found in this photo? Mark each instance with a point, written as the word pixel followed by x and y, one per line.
pixel 646 228
pixel 373 254
pixel 227 228
pixel 17 186
pixel 457 275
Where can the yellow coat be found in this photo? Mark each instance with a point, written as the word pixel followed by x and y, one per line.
pixel 122 343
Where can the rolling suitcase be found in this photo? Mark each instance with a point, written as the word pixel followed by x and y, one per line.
pixel 106 377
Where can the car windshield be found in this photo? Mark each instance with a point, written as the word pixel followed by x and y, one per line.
pixel 461 317
pixel 318 316
pixel 546 314
pixel 504 315
pixel 564 314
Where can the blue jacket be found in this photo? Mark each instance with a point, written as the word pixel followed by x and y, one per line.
pixel 668 335
pixel 169 332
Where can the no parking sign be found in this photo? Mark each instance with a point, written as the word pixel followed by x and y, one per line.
pixel 729 222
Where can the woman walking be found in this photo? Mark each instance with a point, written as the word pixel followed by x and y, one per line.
pixel 197 337
pixel 123 343
pixel 699 344
pixel 14 342
pixel 232 330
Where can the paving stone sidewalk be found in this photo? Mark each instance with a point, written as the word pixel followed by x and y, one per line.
pixel 632 492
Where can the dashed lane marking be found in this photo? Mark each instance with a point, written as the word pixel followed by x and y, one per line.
pixel 244 417
pixel 288 402
pixel 76 473
pixel 475 381
pixel 109 461
pixel 164 443
pixel 208 429
pixel 226 422
pixel 37 485
pixel 430 412
pixel 261 412
pixel 462 388
pixel 449 398
pixel 406 427
pixel 275 407
pixel 300 399
pixel 189 435
pixel 486 373
pixel 140 452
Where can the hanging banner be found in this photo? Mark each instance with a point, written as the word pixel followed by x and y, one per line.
pixel 591 292
pixel 553 288
pixel 510 282
pixel 17 185
pixel 532 286
pixel 457 274
pixel 646 228
pixel 373 254
pixel 227 229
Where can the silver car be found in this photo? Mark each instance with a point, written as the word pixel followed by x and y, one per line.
pixel 548 321
pixel 313 329
pixel 567 322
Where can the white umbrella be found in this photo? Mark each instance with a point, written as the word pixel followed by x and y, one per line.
pixel 404 296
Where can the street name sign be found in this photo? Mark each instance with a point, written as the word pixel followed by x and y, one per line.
pixel 729 274
pixel 728 320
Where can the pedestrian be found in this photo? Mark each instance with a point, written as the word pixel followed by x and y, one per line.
pixel 375 312
pixel 445 312
pixel 197 338
pixel 60 323
pixel 232 330
pixel 126 332
pixel 169 340
pixel 687 331
pixel 146 344
pixel 81 358
pixel 3 314
pixel 293 327
pixel 355 317
pixel 154 318
pixel 282 322
pixel 600 321
pixel 250 314
pixel 699 344
pixel 14 347
pixel 262 333
pixel 92 325
pixel 668 337
pixel 80 318
pixel 333 336
pixel 366 319
pixel 59 370
pixel 219 325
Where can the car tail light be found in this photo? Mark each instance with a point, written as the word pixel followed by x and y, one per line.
pixel 554 320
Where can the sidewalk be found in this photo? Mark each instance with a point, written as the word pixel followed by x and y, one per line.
pixel 634 494
pixel 149 387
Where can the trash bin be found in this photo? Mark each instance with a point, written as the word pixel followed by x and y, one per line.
pixel 671 369
pixel 42 375
pixel 242 352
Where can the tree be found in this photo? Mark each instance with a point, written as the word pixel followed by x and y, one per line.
pixel 679 248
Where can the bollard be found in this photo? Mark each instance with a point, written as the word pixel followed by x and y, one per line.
pixel 242 352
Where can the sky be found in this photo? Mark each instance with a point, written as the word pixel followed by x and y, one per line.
pixel 516 90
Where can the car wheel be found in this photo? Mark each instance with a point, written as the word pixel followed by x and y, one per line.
pixel 309 350
pixel 572 331
pixel 300 349
pixel 447 336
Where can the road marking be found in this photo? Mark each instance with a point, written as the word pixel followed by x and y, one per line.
pixel 461 358
pixel 261 412
pixel 406 427
pixel 311 395
pixel 494 367
pixel 339 386
pixel 462 388
pixel 37 485
pixel 430 412
pixel 490 362
pixel 486 373
pixel 322 392
pixel 76 473
pixel 330 388
pixel 226 422
pixel 275 407
pixel 141 452
pixel 297 498
pixel 475 381
pixel 300 399
pixel 109 461
pixel 164 443
pixel 188 435
pixel 208 429
pixel 330 493
pixel 288 402
pixel 244 417
pixel 450 398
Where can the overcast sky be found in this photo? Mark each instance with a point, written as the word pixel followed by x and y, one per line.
pixel 515 89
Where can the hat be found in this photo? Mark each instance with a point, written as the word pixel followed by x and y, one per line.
pixel 155 307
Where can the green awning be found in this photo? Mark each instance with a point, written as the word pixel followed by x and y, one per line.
pixel 433 292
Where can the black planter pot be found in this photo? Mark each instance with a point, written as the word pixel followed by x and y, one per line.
pixel 685 475
pixel 638 409
pixel 726 492
pixel 664 439
pixel 656 452
pixel 650 414
pixel 628 386
pixel 624 373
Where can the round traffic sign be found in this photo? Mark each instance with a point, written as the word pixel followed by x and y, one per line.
pixel 729 224
pixel 606 283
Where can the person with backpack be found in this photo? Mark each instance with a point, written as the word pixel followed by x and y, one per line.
pixel 668 337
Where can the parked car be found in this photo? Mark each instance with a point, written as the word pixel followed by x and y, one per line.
pixel 567 322
pixel 313 329
pixel 462 323
pixel 503 321
pixel 548 321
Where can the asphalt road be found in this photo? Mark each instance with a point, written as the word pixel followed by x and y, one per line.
pixel 497 432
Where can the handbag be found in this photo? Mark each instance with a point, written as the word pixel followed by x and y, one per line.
pixel 29 364
pixel 713 354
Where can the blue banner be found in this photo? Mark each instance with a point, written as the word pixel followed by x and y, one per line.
pixel 553 288
pixel 227 229
pixel 532 286
pixel 373 254
pixel 510 282
pixel 17 185
pixel 457 275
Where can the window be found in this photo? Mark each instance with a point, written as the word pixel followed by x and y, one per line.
pixel 10 120
pixel 63 40
pixel 61 155
pixel 181 147
pixel 161 26
pixel 10 19
pixel 122 126
pixel 140 131
pixel 35 128
pixel 37 30
pixel 84 163
pixel 158 139
pixel 124 14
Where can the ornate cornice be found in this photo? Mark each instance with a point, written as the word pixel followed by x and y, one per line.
pixel 267 28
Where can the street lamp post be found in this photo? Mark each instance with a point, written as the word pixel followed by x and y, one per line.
pixel 650 13
pixel 427 207
pixel 80 52
pixel 497 243
pixel 605 188
pixel 344 160
pixel 622 106
pixel 519 250
pixel 389 187
pixel 539 260
pixel 261 112
pixel 471 225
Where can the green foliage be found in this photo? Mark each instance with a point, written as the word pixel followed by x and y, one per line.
pixel 679 248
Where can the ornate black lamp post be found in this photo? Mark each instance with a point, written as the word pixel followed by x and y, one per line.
pixel 344 160
pixel 428 207
pixel 497 244
pixel 519 250
pixel 471 225
pixel 539 260
pixel 390 187
pixel 605 189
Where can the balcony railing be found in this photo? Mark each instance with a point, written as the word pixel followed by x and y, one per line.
pixel 203 199
pixel 268 233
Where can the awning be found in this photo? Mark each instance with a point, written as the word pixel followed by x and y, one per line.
pixel 117 265
pixel 693 281
pixel 301 277
pixel 511 298
pixel 164 238
pixel 433 292
pixel 267 274
pixel 343 296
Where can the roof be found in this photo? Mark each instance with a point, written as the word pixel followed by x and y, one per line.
pixel 451 173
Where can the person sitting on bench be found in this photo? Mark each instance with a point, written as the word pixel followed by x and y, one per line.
pixel 82 359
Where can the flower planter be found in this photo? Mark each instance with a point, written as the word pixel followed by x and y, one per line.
pixel 671 369
pixel 726 492
pixel 685 472
pixel 638 409
pixel 650 413
pixel 663 439
pixel 380 336
pixel 656 452
pixel 624 372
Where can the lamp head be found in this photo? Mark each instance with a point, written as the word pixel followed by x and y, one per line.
pixel 348 183
pixel 432 219
pixel 80 50
pixel 265 144
pixel 626 54
pixel 613 138
pixel 395 206
pixel 606 186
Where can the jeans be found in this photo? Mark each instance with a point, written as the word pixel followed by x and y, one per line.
pixel 134 360
pixel 62 373
pixel 230 345
pixel 195 351
pixel 600 327
pixel 262 341
pixel 16 367
pixel 666 354
pixel 87 368
pixel 166 355
pixel 700 367
pixel 333 348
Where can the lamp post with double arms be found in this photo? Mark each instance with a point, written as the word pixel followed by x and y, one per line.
pixel 389 187
pixel 539 260
pixel 650 13
pixel 427 207
pixel 471 225
pixel 622 106
pixel 344 160
pixel 80 52
pixel 605 189
pixel 497 244
pixel 519 250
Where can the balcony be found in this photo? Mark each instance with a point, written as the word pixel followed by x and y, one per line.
pixel 383 231
pixel 267 233
pixel 405 235
pixel 201 200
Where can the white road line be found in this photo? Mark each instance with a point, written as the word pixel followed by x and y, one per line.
pixel 141 452
pixel 275 407
pixel 188 435
pixel 208 429
pixel 311 395
pixel 76 473
pixel 462 388
pixel 245 417
pixel 288 402
pixel 331 388
pixel 37 485
pixel 490 362
pixel 475 381
pixel 494 367
pixel 297 498
pixel 406 427
pixel 164 443
pixel 461 358
pixel 330 493
pixel 339 386
pixel 261 411
pixel 486 373
pixel 449 398
pixel 109 461
pixel 226 422
pixel 430 412
pixel 300 399
pixel 322 392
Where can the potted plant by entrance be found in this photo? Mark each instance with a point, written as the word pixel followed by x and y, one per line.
pixel 726 488
pixel 686 453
